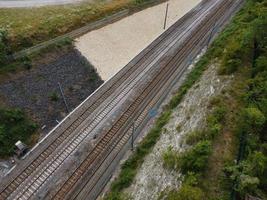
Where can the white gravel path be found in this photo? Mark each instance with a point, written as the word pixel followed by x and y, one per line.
pixel 113 46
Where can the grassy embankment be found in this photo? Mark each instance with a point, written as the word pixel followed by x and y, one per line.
pixel 209 167
pixel 21 28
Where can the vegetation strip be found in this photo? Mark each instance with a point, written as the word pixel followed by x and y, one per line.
pixel 239 112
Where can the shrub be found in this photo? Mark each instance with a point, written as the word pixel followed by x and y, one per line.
pixel 260 66
pixel 195 159
pixel 170 158
pixel 253 120
pixel 54 96
pixel 257 90
pixel 249 174
pixel 194 137
pixel 219 113
pixel 232 58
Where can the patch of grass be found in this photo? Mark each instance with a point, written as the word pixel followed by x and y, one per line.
pixel 14 126
pixel 178 128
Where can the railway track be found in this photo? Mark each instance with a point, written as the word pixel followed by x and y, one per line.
pixel 83 115
pixel 131 93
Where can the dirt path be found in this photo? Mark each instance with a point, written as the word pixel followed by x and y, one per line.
pixel 113 46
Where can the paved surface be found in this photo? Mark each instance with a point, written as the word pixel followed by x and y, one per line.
pixel 32 3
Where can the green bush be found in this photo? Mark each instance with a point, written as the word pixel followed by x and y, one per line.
pixel 253 120
pixel 260 66
pixel 54 96
pixel 14 126
pixel 249 174
pixel 170 158
pixel 194 137
pixel 196 158
pixel 232 58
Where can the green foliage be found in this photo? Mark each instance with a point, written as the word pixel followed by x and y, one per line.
pixel 186 192
pixel 170 158
pixel 253 120
pixel 54 96
pixel 196 158
pixel 14 126
pixel 194 137
pixel 192 179
pixel 138 2
pixel 3 46
pixel 249 174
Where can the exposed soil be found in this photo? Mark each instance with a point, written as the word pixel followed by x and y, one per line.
pixel 110 48
pixel 37 91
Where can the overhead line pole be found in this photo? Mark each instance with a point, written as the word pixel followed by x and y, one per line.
pixel 166 15
pixel 63 96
